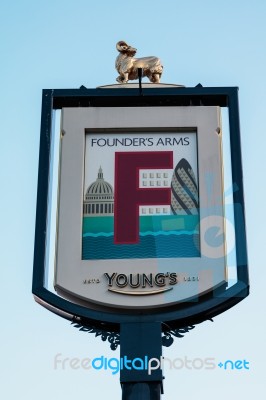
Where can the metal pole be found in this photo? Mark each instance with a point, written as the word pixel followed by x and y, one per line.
pixel 141 352
pixel 140 79
pixel 141 391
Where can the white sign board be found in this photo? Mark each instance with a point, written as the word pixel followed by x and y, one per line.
pixel 140 206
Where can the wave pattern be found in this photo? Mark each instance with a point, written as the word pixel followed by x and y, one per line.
pixel 149 246
pixel 148 233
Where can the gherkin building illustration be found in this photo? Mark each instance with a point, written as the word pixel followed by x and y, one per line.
pixel 184 190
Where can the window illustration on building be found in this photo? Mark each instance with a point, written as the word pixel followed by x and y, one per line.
pixel 166 230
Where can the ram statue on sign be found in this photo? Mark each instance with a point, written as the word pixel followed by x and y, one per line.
pixel 127 66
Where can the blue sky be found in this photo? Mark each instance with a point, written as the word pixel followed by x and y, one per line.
pixel 66 44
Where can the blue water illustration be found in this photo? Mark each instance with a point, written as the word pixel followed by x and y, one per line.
pixel 150 246
pixel 98 240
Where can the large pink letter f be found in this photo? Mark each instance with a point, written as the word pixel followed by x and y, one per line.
pixel 129 196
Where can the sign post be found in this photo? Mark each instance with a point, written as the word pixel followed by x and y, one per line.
pixel 145 239
pixel 141 344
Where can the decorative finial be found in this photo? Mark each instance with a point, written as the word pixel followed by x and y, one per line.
pixel 100 173
pixel 127 66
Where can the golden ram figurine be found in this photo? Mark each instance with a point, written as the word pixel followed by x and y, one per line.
pixel 127 66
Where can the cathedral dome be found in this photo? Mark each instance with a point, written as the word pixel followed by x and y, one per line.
pixel 100 186
pixel 99 198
